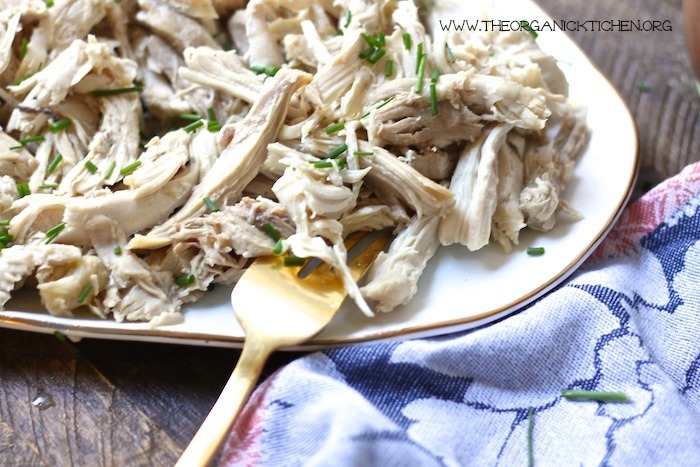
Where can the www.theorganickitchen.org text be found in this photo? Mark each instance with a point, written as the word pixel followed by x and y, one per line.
pixel 501 25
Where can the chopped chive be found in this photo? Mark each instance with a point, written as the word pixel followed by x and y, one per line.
pixel 130 168
pixel 600 396
pixel 435 75
pixel 190 116
pixel 118 250
pixel 83 295
pixel 53 232
pixel 335 128
pixel 381 37
pixel 110 169
pixel 376 56
pixel 6 237
pixel 48 186
pixel 21 79
pixel 54 163
pixel 450 55
pixel 278 248
pixel 339 32
pixel 265 70
pixel 535 251
pixel 421 72
pixel 386 102
pixel 115 92
pixel 212 123
pixel 60 336
pixel 348 18
pixel 184 280
pixel 4 222
pixel 193 126
pixel 419 56
pixel 23 190
pixel 12 148
pixel 526 26
pixel 643 86
pixel 363 153
pixel 294 261
pixel 406 41
pixel 337 151
pixel 31 139
pixel 271 231
pixel 92 168
pixel 389 68
pixel 211 205
pixel 371 40
pixel 322 164
pixel 59 125
pixel 530 459
pixel 433 100
pixel 367 52
pixel 49 3
pixel 23 48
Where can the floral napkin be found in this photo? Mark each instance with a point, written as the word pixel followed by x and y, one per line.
pixel 627 321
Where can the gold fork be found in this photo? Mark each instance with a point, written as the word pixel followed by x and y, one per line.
pixel 276 308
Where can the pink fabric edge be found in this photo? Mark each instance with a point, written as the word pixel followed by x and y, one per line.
pixel 647 213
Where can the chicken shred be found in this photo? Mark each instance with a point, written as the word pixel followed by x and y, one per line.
pixel 148 148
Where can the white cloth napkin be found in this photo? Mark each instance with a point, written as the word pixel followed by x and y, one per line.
pixel 628 320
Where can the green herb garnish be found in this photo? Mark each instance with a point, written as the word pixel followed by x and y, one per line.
pixel 535 251
pixel 118 250
pixel 60 336
pixel 530 458
pixel 407 41
pixel 388 68
pixel 335 128
pixel 526 26
pixel 419 56
pixel 23 190
pixel 115 92
pixel 4 222
pixel 23 48
pixel 271 231
pixel 278 248
pixel 450 56
pixel 265 70
pixel 599 396
pixel 213 124
pixel 386 102
pixel 110 169
pixel 31 139
pixel 83 295
pixel 54 163
pixel 337 151
pixel 130 168
pixel 376 56
pixel 421 73
pixel 643 86
pixel 184 280
pixel 433 99
pixel 190 116
pixel 363 153
pixel 59 125
pixel 48 186
pixel 348 18
pixel 211 205
pixel 92 168
pixel 53 232
pixel 193 126
pixel 294 261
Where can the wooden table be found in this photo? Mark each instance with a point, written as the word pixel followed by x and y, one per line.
pixel 121 403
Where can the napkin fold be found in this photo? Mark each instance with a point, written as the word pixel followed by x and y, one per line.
pixel 628 320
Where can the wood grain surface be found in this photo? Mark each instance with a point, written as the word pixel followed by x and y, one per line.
pixel 109 403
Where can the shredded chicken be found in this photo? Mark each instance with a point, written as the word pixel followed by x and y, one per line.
pixel 150 148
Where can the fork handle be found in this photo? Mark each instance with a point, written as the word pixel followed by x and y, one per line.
pixel 218 423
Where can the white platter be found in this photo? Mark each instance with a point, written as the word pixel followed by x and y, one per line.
pixel 459 290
